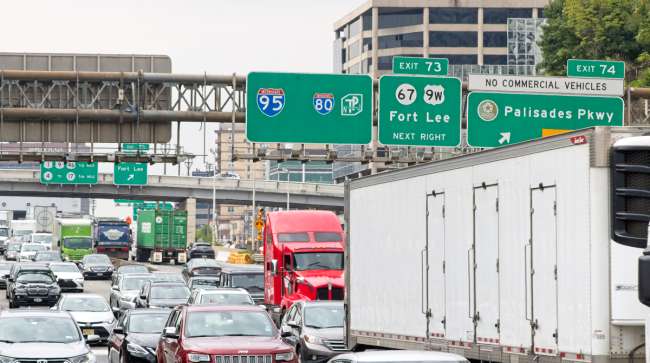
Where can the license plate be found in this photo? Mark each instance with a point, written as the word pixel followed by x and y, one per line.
pixel 100 274
pixel 38 299
pixel 88 332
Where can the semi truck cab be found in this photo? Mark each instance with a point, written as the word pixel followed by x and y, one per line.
pixel 303 259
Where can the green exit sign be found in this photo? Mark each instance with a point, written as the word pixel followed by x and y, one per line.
pixel 59 172
pixel 135 147
pixel 415 65
pixel 130 173
pixel 595 68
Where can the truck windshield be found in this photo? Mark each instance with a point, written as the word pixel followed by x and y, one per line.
pixel 78 243
pixel 318 261
pixel 250 282
pixel 42 238
pixel 24 232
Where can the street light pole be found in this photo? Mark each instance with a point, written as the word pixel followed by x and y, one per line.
pixel 288 205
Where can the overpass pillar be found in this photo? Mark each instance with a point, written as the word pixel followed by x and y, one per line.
pixel 190 207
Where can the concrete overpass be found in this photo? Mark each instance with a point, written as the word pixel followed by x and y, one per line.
pixel 179 189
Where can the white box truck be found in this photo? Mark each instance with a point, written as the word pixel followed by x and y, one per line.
pixel 507 254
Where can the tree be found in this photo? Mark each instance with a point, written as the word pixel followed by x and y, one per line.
pixel 597 29
pixel 204 234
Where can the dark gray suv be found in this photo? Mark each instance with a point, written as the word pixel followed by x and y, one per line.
pixel 32 284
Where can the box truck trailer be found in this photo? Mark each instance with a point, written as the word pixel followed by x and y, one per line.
pixel 507 254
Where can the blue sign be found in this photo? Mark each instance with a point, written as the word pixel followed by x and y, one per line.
pixel 270 101
pixel 323 103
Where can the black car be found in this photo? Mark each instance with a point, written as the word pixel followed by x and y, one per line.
pixel 135 337
pixel 247 277
pixel 162 294
pixel 128 269
pixel 48 256
pixel 201 266
pixel 32 284
pixel 96 266
pixel 199 250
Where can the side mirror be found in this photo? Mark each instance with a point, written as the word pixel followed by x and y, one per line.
pixel 115 288
pixel 118 330
pixel 93 339
pixel 644 278
pixel 143 297
pixel 274 267
pixel 285 331
pixel 170 332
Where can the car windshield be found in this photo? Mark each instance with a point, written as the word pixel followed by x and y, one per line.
pixel 94 304
pixel 77 243
pixel 132 269
pixel 168 277
pixel 4 232
pixel 133 283
pixel 228 323
pixel 205 282
pixel 23 232
pixel 47 256
pixel 42 238
pixel 170 292
pixel 248 281
pixel 226 299
pixel 202 245
pixel 35 277
pixel 202 262
pixel 321 317
pixel 64 268
pixel 147 323
pixel 32 248
pixel 318 261
pixel 97 259
pixel 38 329
pixel 13 247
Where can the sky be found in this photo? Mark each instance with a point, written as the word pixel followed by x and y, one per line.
pixel 217 36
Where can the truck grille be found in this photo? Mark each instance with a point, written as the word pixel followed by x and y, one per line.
pixel 323 293
pixel 243 358
pixel 337 345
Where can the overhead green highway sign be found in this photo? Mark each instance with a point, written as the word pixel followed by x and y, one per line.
pixel 595 68
pixel 498 119
pixel 416 65
pixel 59 172
pixel 134 147
pixel 309 108
pixel 419 111
pixel 130 173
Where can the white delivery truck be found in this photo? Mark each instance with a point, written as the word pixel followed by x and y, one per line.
pixel 505 255
pixel 23 228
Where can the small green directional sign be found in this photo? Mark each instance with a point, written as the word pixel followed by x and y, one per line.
pixel 130 173
pixel 135 147
pixel 419 111
pixel 499 119
pixel 416 65
pixel 71 172
pixel 595 68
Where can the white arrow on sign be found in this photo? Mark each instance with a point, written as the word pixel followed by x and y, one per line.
pixel 505 138
pixel 130 177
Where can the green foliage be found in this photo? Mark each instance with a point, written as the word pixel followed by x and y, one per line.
pixel 204 234
pixel 598 29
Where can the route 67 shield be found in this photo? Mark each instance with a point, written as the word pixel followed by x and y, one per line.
pixel 270 101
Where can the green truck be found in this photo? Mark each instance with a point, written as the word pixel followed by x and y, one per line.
pixel 74 238
pixel 161 236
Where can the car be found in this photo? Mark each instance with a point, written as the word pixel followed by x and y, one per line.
pixel 44 239
pixel 162 294
pixel 128 269
pixel 12 251
pixel 168 277
pixel 200 250
pixel 402 356
pixel 90 311
pixel 201 282
pixel 249 277
pixel 136 334
pixel 48 256
pixel 201 267
pixel 43 335
pixel 68 276
pixel 315 329
pixel 221 296
pixel 96 266
pixel 5 268
pixel 125 291
pixel 29 250
pixel 32 284
pixel 196 333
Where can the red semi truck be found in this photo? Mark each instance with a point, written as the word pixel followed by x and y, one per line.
pixel 303 258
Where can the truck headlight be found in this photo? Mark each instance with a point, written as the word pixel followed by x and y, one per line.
pixel 287 356
pixel 195 357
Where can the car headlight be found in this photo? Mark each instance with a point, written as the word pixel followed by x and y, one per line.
pixel 4 359
pixel 284 356
pixel 313 339
pixel 136 349
pixel 55 289
pixel 86 358
pixel 108 321
pixel 79 280
pixel 195 357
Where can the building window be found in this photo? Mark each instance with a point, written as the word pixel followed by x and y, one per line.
pixel 495 39
pixel 495 59
pixel 354 49
pixel 367 20
pixel 384 63
pixel 458 58
pixel 231 209
pixel 355 27
pixel 367 45
pixel 365 65
pixel 501 15
pixel 453 15
pixel 453 39
pixel 540 12
pixel 355 68
pixel 401 40
pixel 396 17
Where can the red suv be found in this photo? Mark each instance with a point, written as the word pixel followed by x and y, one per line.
pixel 222 334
